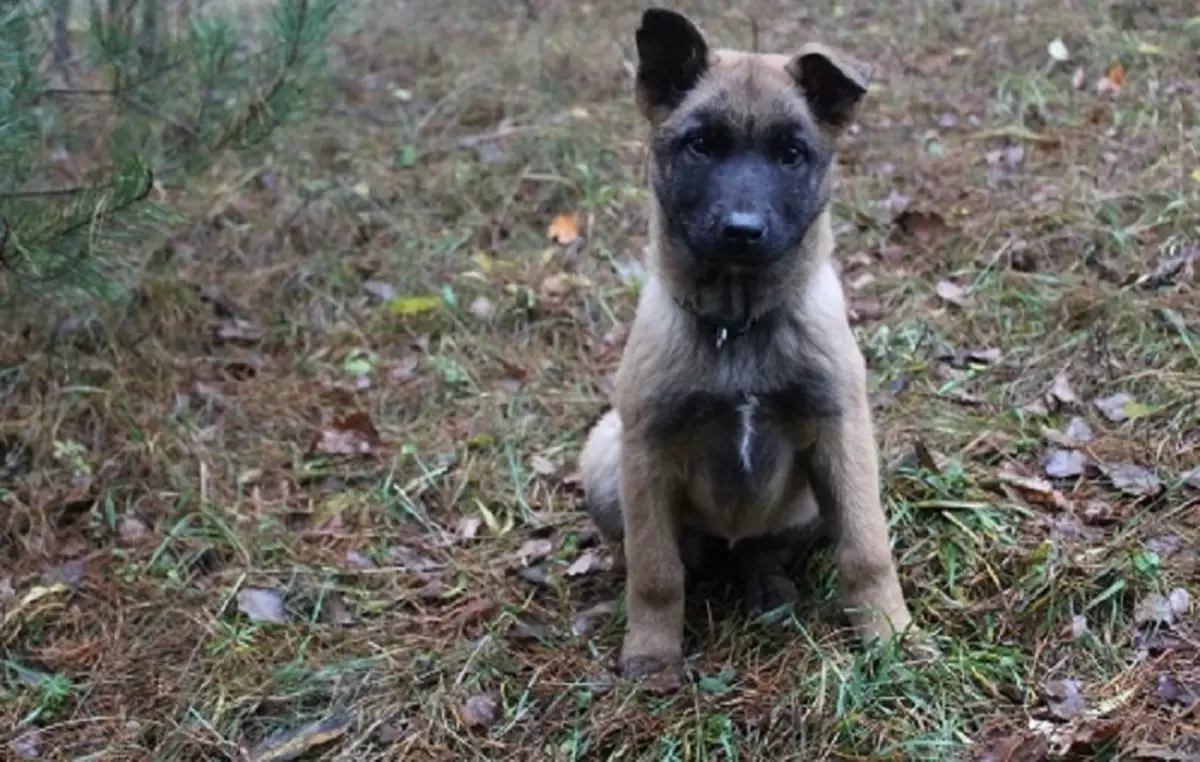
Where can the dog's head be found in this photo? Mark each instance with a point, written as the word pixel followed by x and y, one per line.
pixel 742 145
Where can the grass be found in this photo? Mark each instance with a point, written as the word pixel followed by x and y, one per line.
pixel 158 462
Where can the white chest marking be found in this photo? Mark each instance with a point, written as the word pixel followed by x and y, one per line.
pixel 746 412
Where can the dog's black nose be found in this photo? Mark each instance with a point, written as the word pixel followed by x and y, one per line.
pixel 745 228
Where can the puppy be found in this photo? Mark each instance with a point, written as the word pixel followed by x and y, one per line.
pixel 740 410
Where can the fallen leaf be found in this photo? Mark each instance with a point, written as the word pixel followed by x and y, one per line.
pixel 480 711
pixel 1180 600
pixel 542 465
pixel 1153 609
pixel 1064 699
pixel 238 330
pixel 554 288
pixel 293 744
pixel 468 527
pixel 474 611
pixel 27 746
pixel 414 305
pixel 585 621
pixel 388 732
pixel 1169 689
pixel 482 308
pixel 1120 407
pixel 1079 430
pixel 1116 74
pixel 1184 751
pixel 919 224
pixel 1037 491
pixel 411 560
pixel 1170 268
pixel 335 611
pixel 1111 83
pixel 405 368
pixel 1064 464
pixel 591 561
pixel 1162 609
pixel 1058 50
pixel 536 575
pixel 70 574
pixel 1193 479
pixel 535 550
pixel 1164 544
pixel 261 605
pixel 1061 391
pixel 1066 528
pixel 1098 512
pixel 524 630
pixel 988 356
pixel 132 530
pixel 953 293
pixel 380 290
pixel 1079 626
pixel 356 560
pixel 925 458
pixel 1133 480
pixel 1015 747
pixel 564 228
pixel 861 310
pixel 353 434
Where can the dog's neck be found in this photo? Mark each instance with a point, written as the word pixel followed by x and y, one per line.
pixel 725 303
pixel 729 305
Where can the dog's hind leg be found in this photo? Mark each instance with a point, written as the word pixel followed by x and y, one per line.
pixel 600 474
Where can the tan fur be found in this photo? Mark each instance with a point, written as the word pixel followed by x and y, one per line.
pixel 645 495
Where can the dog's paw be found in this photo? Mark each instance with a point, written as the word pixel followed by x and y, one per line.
pixel 766 592
pixel 657 673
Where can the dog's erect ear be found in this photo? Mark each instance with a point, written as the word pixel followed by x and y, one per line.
pixel 833 84
pixel 672 56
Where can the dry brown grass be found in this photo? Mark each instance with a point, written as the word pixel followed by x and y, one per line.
pixel 155 463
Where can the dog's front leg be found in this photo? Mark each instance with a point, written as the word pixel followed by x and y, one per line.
pixel 845 478
pixel 654 569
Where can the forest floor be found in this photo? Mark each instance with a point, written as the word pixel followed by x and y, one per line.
pixel 314 491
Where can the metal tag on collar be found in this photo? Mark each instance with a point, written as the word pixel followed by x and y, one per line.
pixel 722 334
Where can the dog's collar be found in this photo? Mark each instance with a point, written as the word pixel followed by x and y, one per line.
pixel 721 329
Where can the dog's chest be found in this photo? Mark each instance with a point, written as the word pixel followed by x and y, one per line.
pixel 738 453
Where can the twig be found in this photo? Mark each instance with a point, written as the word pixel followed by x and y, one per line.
pixel 293 55
pixel 5 229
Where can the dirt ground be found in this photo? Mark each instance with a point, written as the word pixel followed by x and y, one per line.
pixel 313 492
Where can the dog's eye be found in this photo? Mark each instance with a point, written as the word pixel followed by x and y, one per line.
pixel 699 145
pixel 792 154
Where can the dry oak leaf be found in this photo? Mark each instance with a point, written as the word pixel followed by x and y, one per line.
pixel 953 293
pixel 921 225
pixel 261 605
pixel 1036 491
pixel 293 744
pixel 1064 464
pixel 1133 480
pixel 1061 391
pixel 353 434
pixel 1120 407
pixel 480 711
pixel 564 228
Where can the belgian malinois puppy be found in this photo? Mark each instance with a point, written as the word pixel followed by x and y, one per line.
pixel 740 413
